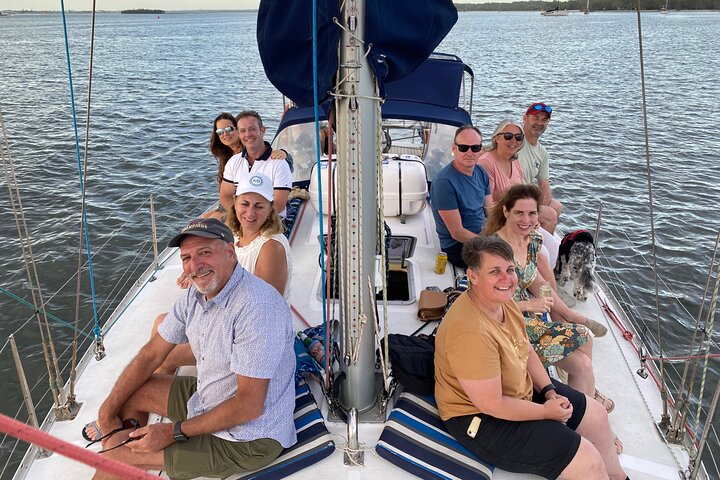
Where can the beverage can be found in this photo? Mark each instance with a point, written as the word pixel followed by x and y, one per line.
pixel 440 262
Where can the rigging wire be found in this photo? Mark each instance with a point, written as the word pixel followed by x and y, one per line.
pixel 687 383
pixel 316 117
pixel 83 210
pixel 53 317
pixel 664 421
pixel 99 348
pixel 46 342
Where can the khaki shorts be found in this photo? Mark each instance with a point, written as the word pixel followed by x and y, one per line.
pixel 208 455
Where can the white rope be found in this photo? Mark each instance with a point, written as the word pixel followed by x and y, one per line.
pixel 385 354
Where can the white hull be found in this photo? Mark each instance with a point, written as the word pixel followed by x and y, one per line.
pixel 555 13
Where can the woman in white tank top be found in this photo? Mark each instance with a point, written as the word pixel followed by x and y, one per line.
pixel 261 246
pixel 261 249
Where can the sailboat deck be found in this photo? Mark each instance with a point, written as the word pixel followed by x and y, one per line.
pixel 646 456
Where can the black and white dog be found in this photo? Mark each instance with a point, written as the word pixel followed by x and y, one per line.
pixel 576 261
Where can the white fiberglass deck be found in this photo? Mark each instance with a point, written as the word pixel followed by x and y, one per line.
pixel 637 400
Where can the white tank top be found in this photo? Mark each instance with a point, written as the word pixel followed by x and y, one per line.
pixel 248 255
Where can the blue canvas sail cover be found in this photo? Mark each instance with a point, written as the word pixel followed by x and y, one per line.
pixel 402 33
pixel 429 94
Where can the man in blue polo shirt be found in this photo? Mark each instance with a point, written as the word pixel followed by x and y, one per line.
pixel 459 195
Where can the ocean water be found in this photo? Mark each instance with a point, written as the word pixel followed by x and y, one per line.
pixel 158 82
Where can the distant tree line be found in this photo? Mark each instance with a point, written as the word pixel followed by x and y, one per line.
pixel 595 5
pixel 143 11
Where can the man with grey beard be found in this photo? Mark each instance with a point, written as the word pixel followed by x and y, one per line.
pixel 237 415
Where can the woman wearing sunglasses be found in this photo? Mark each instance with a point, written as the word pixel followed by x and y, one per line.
pixel 500 160
pixel 493 393
pixel 505 170
pixel 225 142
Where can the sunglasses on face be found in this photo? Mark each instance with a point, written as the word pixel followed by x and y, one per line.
pixel 541 108
pixel 508 136
pixel 224 131
pixel 464 148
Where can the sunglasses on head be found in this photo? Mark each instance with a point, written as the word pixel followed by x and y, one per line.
pixel 464 148
pixel 225 131
pixel 508 136
pixel 541 108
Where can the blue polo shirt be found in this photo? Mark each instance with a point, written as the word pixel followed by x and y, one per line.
pixel 452 190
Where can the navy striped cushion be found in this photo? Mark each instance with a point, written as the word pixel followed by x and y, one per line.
pixel 415 439
pixel 313 441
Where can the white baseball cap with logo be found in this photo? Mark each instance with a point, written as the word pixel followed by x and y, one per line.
pixel 256 183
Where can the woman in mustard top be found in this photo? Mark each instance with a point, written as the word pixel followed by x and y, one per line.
pixel 493 393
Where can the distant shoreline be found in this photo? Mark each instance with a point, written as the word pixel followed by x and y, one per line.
pixel 460 10
pixel 142 11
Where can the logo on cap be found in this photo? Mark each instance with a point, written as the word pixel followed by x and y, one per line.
pixel 256 180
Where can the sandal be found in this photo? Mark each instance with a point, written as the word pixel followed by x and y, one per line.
pixel 597 328
pixel 92 438
pixel 126 425
pixel 604 400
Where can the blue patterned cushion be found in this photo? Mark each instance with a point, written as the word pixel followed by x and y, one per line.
pixel 314 441
pixel 415 439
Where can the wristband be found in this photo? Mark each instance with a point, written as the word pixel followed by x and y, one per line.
pixel 547 388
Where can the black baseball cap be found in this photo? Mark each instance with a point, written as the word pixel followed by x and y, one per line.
pixel 203 227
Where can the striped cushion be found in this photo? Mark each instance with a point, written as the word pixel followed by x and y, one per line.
pixel 313 441
pixel 415 439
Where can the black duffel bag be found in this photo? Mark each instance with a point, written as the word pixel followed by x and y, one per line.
pixel 412 360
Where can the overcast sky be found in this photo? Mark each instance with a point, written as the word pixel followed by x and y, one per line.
pixel 123 4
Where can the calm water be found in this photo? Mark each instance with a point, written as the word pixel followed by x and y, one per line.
pixel 159 82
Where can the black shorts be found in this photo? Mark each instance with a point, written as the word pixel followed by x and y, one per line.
pixel 540 447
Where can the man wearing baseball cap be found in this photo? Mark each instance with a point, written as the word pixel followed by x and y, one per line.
pixel 237 414
pixel 536 162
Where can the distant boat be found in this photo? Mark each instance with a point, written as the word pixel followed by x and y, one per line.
pixel 554 12
pixel 587 8
pixel 664 9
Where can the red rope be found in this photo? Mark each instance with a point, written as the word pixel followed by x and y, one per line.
pixel 48 442
pixel 630 337
pixel 295 311
pixel 298 219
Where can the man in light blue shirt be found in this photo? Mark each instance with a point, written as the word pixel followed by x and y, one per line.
pixel 237 415
pixel 459 194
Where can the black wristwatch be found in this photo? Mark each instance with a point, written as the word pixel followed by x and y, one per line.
pixel 178 435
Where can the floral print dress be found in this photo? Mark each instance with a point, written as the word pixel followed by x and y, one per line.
pixel 552 341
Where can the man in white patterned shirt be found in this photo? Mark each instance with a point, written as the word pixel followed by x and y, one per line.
pixel 237 415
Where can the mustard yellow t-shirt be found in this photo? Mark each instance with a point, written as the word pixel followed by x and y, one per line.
pixel 472 346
